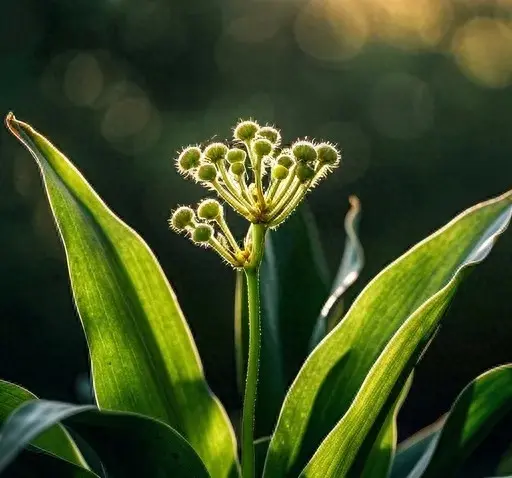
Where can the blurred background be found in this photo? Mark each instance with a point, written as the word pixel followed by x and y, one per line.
pixel 416 92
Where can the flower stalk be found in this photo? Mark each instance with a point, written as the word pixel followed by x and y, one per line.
pixel 239 177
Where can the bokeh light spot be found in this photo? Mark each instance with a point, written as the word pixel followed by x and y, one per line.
pixel 126 117
pixel 482 48
pixel 83 80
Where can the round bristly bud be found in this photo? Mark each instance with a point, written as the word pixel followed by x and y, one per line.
pixel 285 160
pixel 237 169
pixel 215 152
pixel 181 218
pixel 246 130
pixel 304 151
pixel 202 233
pixel 207 172
pixel 270 133
pixel 279 172
pixel 262 147
pixel 236 155
pixel 328 154
pixel 189 158
pixel 304 172
pixel 209 209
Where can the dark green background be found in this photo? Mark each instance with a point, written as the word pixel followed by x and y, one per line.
pixel 421 142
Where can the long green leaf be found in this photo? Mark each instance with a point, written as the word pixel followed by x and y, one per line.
pixel 385 330
pixel 352 263
pixel 55 440
pixel 127 444
pixel 477 409
pixel 143 356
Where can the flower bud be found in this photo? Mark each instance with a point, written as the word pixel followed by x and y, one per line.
pixel 270 133
pixel 189 158
pixel 202 233
pixel 327 154
pixel 262 147
pixel 237 169
pixel 304 151
pixel 304 172
pixel 279 172
pixel 181 218
pixel 285 160
pixel 236 155
pixel 215 152
pixel 209 209
pixel 246 130
pixel 207 172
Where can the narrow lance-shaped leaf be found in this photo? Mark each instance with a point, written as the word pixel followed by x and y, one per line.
pixel 128 444
pixel 408 296
pixel 350 267
pixel 477 409
pixel 55 440
pixel 143 356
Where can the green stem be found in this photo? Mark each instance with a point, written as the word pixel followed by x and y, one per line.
pixel 252 270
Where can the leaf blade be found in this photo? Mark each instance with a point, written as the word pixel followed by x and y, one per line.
pixel 55 440
pixel 143 356
pixel 339 365
pixel 138 443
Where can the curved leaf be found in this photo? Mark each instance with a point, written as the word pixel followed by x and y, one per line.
pixel 351 265
pixel 377 344
pixel 143 356
pixel 55 440
pixel 127 444
pixel 476 410
pixel 410 451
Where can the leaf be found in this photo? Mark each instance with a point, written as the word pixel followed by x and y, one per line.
pixel 127 444
pixel 376 345
pixel 143 356
pixel 379 459
pixel 260 452
pixel 476 410
pixel 350 267
pixel 411 450
pixel 55 440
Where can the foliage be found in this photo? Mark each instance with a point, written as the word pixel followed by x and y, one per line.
pixel 154 413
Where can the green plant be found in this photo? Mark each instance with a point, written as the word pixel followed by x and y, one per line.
pixel 154 413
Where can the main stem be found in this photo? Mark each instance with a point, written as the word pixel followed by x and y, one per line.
pixel 252 271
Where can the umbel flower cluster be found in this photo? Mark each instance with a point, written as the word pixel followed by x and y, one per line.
pixel 259 179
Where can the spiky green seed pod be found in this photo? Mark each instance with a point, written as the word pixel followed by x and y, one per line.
pixel 279 172
pixel 304 172
pixel 262 147
pixel 215 152
pixel 182 218
pixel 207 172
pixel 209 209
pixel 285 160
pixel 189 159
pixel 328 154
pixel 246 130
pixel 270 133
pixel 202 233
pixel 237 169
pixel 236 155
pixel 304 151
